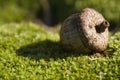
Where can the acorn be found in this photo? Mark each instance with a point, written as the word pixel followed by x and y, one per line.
pixel 85 32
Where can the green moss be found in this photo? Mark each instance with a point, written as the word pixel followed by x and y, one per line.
pixel 29 52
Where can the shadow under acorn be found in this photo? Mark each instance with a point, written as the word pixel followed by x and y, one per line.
pixel 45 50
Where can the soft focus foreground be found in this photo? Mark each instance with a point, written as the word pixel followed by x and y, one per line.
pixel 27 51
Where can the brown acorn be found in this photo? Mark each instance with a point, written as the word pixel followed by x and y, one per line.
pixel 85 32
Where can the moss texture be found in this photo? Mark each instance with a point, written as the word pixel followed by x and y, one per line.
pixel 28 52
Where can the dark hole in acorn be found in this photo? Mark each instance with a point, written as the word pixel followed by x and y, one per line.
pixel 101 28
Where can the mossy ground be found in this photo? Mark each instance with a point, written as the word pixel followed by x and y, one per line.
pixel 28 52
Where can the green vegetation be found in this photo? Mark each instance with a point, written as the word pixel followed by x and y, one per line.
pixel 54 10
pixel 28 52
pixel 18 10
pixel 109 8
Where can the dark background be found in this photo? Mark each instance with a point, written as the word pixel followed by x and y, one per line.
pixel 53 12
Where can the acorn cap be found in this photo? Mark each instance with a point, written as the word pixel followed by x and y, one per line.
pixel 94 29
pixel 85 32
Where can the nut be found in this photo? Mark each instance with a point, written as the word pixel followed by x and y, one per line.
pixel 85 32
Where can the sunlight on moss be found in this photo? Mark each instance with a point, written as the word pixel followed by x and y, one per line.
pixel 27 51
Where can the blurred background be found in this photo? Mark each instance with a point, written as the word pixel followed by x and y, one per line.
pixel 53 12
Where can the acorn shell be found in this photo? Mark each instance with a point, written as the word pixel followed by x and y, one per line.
pixel 85 32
